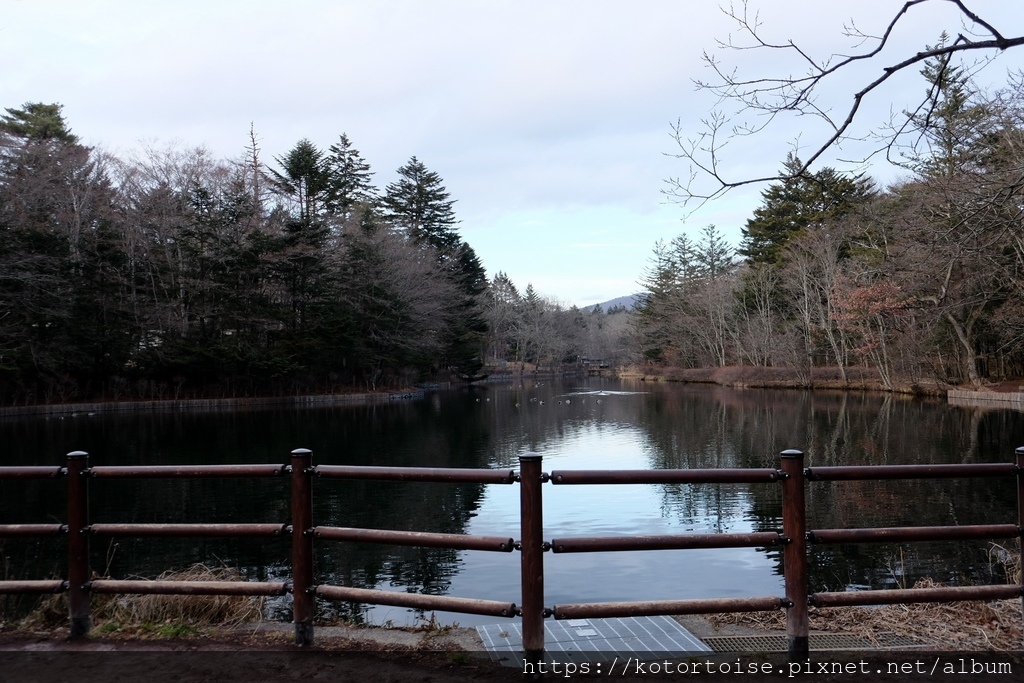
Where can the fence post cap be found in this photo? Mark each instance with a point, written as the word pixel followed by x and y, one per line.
pixel 530 457
pixel 791 453
pixel 78 454
pixel 1020 451
pixel 298 452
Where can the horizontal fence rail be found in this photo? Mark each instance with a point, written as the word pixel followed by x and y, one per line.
pixel 32 472
pixel 445 603
pixel 793 538
pixel 668 542
pixel 186 471
pixel 186 587
pixel 419 539
pixel 657 608
pixel 428 474
pixel 913 595
pixel 187 530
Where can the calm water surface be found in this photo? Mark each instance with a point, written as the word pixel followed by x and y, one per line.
pixel 585 424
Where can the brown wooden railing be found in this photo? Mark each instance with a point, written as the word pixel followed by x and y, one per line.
pixel 793 538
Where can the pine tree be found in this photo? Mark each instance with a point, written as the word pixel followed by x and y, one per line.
pixel 349 184
pixel 796 203
pixel 655 310
pixel 467 337
pixel 419 204
pixel 60 299
pixel 502 303
pixel 713 254
pixel 303 178
pixel 37 121
pixel 956 133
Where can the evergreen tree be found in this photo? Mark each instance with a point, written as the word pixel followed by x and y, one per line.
pixel 61 307
pixel 655 310
pixel 303 178
pixel 957 134
pixel 681 315
pixel 503 291
pixel 349 184
pixel 467 337
pixel 502 301
pixel 796 203
pixel 965 208
pixel 714 256
pixel 37 121
pixel 419 204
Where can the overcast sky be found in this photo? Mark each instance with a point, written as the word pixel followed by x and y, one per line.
pixel 550 122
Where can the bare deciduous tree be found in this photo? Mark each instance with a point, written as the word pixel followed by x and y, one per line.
pixel 814 258
pixel 758 104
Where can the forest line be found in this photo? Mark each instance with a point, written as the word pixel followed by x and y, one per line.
pixel 172 274
pixel 921 281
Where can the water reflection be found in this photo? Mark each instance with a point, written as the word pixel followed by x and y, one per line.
pixel 590 424
pixel 695 427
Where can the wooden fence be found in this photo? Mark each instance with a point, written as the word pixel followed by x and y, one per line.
pixel 794 536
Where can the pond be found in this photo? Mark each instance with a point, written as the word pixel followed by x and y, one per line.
pixel 588 423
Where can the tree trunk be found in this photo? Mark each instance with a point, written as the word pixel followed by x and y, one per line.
pixel 970 362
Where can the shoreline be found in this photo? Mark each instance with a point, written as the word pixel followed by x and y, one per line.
pixel 209 404
pixel 90 408
pixel 1008 394
pixel 756 377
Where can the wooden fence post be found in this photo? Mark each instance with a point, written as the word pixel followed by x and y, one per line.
pixel 1020 518
pixel 78 544
pixel 303 601
pixel 794 527
pixel 531 522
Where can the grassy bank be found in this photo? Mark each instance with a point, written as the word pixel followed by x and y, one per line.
pixel 960 626
pixel 747 376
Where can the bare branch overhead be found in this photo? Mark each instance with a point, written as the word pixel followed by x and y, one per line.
pixel 749 105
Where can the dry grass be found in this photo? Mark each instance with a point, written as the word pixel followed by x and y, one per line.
pixel 962 626
pixel 746 376
pixel 1007 558
pixel 195 610
pixel 112 613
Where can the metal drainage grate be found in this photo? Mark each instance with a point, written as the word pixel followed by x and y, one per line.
pixel 816 641
pixel 593 640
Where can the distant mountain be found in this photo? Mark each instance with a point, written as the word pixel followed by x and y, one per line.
pixel 628 301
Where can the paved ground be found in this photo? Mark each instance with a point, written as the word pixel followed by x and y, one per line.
pixel 394 656
pixel 249 657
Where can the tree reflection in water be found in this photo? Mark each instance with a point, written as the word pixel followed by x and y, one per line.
pixel 592 423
